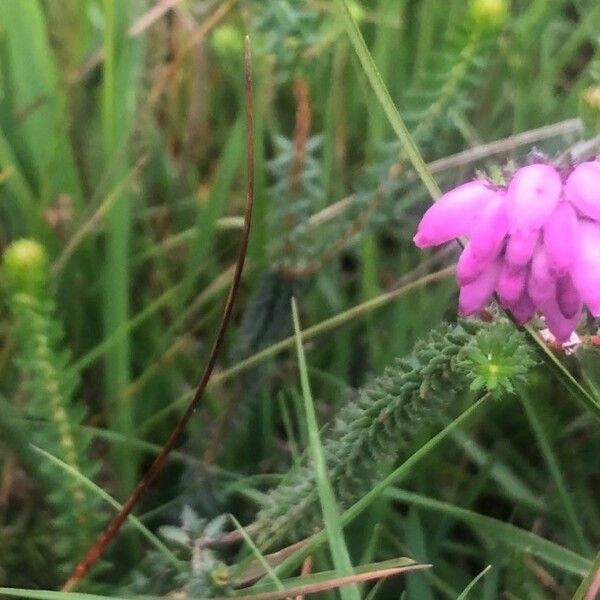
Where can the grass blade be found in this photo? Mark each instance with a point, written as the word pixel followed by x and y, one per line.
pixel 132 520
pixel 383 95
pixel 514 536
pixel 331 517
pixel 465 593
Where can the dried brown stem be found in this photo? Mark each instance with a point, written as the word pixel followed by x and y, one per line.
pixel 97 549
pixel 301 133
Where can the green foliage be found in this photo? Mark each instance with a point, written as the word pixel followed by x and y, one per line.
pixel 457 67
pixel 135 263
pixel 297 193
pixel 205 575
pixel 50 386
pixel 497 360
pixel 387 416
pixel 289 28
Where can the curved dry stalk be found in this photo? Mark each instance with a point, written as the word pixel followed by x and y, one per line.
pixel 97 549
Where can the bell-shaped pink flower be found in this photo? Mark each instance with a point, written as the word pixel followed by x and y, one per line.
pixel 475 295
pixel 586 270
pixel 537 243
pixel 561 238
pixel 511 284
pixel 468 268
pixel 582 189
pixel 520 247
pixel 532 196
pixel 523 309
pixel 454 214
pixel 560 326
pixel 567 296
pixel 542 284
pixel 488 237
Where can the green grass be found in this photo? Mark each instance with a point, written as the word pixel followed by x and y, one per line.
pixel 122 152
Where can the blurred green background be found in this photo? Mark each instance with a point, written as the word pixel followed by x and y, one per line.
pixel 122 152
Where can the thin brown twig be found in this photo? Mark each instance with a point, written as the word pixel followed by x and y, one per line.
pixel 161 8
pixel 306 570
pixel 301 133
pixel 113 527
pixel 195 38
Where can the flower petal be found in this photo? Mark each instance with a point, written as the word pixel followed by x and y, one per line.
pixel 567 296
pixel 475 295
pixel 582 188
pixel 586 270
pixel 523 309
pixel 511 283
pixel 561 238
pixel 488 234
pixel 560 326
pixel 468 267
pixel 542 284
pixel 453 214
pixel 532 196
pixel 520 247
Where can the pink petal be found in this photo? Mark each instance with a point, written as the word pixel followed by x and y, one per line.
pixel 488 234
pixel 568 298
pixel 468 267
pixel 560 238
pixel 560 326
pixel 475 295
pixel 542 284
pixel 532 196
pixel 511 284
pixel 523 309
pixel 453 214
pixel 520 247
pixel 582 188
pixel 586 270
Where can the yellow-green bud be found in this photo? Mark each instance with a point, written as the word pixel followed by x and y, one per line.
pixel 228 40
pixel 356 10
pixel 220 575
pixel 589 109
pixel 488 14
pixel 25 267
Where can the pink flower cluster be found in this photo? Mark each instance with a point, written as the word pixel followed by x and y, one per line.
pixel 536 243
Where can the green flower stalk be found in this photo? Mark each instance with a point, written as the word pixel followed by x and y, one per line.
pixel 382 423
pixel 50 386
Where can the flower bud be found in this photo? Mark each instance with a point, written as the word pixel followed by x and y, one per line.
pixel 589 109
pixel 582 189
pixel 25 267
pixel 532 197
pixel 567 296
pixel 454 214
pixel 475 295
pixel 523 309
pixel 585 273
pixel 228 41
pixel 560 326
pixel 561 235
pixel 488 14
pixel 511 284
pixel 468 267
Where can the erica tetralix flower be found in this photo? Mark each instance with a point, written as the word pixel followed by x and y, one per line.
pixel 534 242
